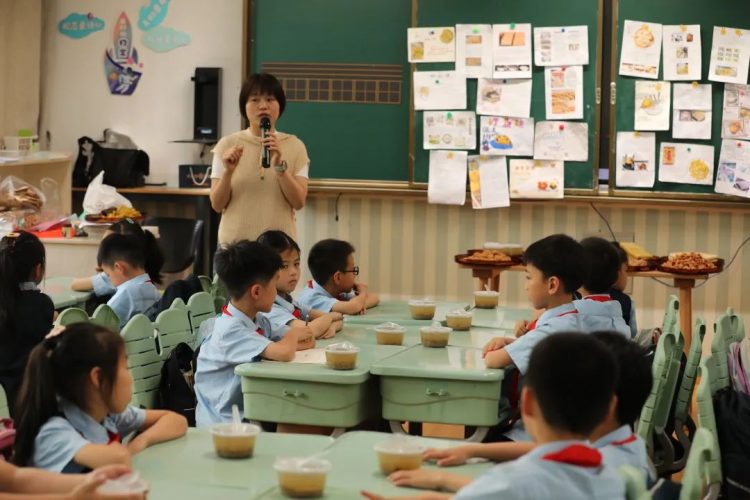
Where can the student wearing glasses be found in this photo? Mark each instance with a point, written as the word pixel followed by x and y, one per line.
pixel 334 287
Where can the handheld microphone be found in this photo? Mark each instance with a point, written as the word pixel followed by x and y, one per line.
pixel 265 128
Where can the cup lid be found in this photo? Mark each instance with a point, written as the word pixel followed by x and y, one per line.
pixel 127 483
pixel 390 327
pixel 342 347
pixel 487 293
pixel 422 302
pixel 435 329
pixel 403 446
pixel 302 465
pixel 230 429
pixel 459 312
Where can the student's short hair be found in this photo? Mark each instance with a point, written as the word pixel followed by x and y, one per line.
pixel 621 253
pixel 121 247
pixel 603 264
pixel 635 379
pixel 558 255
pixel 573 378
pixel 328 256
pixel 244 263
pixel 279 241
pixel 261 84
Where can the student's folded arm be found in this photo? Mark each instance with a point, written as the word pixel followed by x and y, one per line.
pixel 284 349
pixel 92 456
pixel 501 452
pixel 319 326
pixel 498 359
pixel 82 284
pixel 159 426
pixel 353 306
pixel 372 300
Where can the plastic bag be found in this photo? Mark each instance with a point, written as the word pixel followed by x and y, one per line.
pixel 17 194
pixel 100 197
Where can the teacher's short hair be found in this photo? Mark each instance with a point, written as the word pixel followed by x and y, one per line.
pixel 263 84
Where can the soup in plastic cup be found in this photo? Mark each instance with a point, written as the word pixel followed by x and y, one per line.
pixel 399 454
pixel 459 319
pixel 435 335
pixel 130 483
pixel 342 356
pixel 390 334
pixel 234 441
pixel 422 309
pixel 302 477
pixel 486 299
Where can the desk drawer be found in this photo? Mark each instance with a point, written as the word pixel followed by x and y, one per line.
pixel 466 402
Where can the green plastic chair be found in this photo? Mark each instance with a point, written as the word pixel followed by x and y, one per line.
pixel 702 476
pixel 144 362
pixel 666 368
pixel 4 406
pixel 635 483
pixel 105 316
pixel 172 327
pixel 727 329
pixel 683 423
pixel 219 293
pixel 710 382
pixel 206 283
pixel 201 307
pixel 72 315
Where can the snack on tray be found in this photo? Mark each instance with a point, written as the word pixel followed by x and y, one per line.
pixel 691 262
pixel 634 250
pixel 115 214
pixel 487 256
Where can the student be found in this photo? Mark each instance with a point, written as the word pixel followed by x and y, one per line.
pixel 568 392
pixel 100 283
pixel 249 270
pixel 617 292
pixel 333 286
pixel 286 311
pixel 73 407
pixel 26 314
pixel 122 258
pixel 597 309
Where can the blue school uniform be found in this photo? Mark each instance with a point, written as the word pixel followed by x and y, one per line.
pixel 102 285
pixel 132 297
pixel 284 311
pixel 235 339
pixel 61 437
pixel 601 313
pixel 563 469
pixel 623 447
pixel 314 296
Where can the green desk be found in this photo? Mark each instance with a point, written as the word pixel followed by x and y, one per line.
pixel 58 289
pixel 313 394
pixel 448 386
pixel 365 335
pixel 355 467
pixel 188 468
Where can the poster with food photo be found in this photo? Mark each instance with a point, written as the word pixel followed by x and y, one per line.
pixel 505 136
pixel 449 130
pixel 431 44
pixel 652 101
pixel 730 55
pixel 735 121
pixel 686 163
pixel 537 179
pixel 439 90
pixel 636 159
pixel 733 171
pixel 511 50
pixel 474 50
pixel 504 97
pixel 691 113
pixel 682 52
pixel 641 49
pixel 563 91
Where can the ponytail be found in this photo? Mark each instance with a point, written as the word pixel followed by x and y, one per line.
pixel 60 367
pixel 20 254
pixel 154 259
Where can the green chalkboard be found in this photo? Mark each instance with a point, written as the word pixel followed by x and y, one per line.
pixel 729 13
pixel 578 175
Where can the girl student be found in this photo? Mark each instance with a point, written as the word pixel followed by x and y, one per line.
pixel 73 406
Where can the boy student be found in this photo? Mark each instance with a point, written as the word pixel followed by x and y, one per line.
pixel 568 392
pixel 249 271
pixel 286 311
pixel 333 286
pixel 617 292
pixel 122 258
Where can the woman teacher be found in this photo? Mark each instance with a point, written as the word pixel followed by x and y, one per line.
pixel 251 198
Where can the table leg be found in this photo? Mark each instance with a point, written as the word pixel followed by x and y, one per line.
pixel 396 427
pixel 496 282
pixel 686 309
pixel 479 434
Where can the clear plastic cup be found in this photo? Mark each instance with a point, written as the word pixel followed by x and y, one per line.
pixel 302 477
pixel 435 335
pixel 390 334
pixel 459 319
pixel 422 309
pixel 233 440
pixel 399 454
pixel 127 483
pixel 486 299
pixel 342 356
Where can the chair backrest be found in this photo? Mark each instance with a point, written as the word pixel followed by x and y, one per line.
pixel 737 332
pixel 4 406
pixel 635 483
pixel 107 317
pixel 144 362
pixel 710 382
pixel 727 329
pixel 219 293
pixel 687 385
pixel 72 315
pixel 172 327
pixel 703 469
pixel 201 307
pixel 180 240
pixel 206 284
pixel 671 316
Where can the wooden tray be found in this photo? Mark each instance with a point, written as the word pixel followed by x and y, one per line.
pixel 719 268
pixel 103 219
pixel 653 263
pixel 460 260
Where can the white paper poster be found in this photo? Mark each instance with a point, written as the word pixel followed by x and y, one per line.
pixel 735 121
pixel 641 49
pixel 686 163
pixel 568 141
pixel 474 50
pixel 447 178
pixel 636 159
pixel 506 136
pixel 691 113
pixel 563 92
pixel 652 105
pixel 682 52
pixel 561 46
pixel 449 130
pixel 730 55
pixel 536 179
pixel 488 181
pixel 504 97
pixel 432 44
pixel 439 90
pixel 733 175
pixel 511 50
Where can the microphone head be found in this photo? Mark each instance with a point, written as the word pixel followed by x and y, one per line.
pixel 265 123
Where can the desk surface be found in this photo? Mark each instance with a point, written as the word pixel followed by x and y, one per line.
pixel 449 363
pixel 58 289
pixel 397 311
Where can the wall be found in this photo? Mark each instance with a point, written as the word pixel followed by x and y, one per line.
pixel 76 99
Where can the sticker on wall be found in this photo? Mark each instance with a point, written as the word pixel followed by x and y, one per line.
pixel 153 14
pixel 121 62
pixel 80 25
pixel 163 39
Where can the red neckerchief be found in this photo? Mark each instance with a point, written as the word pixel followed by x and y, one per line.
pixel 576 454
pixel 114 437
pixel 297 313
pixel 309 284
pixel 598 298
pixel 226 312
pixel 625 441
pixel 532 325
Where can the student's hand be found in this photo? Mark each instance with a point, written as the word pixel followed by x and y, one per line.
pixel 521 328
pixel 496 344
pixel 329 334
pixel 272 142
pixel 446 457
pixel 336 316
pixel 231 158
pixel 360 288
pixel 137 444
pixel 418 478
pixel 427 495
pixel 92 481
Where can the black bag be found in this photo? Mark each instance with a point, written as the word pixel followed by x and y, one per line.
pixel 732 411
pixel 180 289
pixel 122 167
pixel 176 391
pixel 195 176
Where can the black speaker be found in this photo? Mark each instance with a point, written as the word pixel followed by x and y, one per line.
pixel 207 103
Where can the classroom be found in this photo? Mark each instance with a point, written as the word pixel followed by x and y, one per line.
pixel 343 249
